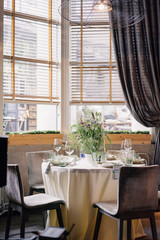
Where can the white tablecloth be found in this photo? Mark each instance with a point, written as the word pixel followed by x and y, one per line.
pixel 80 186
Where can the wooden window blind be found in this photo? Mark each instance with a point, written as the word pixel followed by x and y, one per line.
pixel 93 71
pixel 32 50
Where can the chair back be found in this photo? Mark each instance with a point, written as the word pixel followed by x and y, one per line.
pixel 34 161
pixel 145 157
pixel 138 188
pixel 14 189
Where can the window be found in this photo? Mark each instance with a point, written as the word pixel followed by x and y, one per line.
pixel 32 68
pixel 94 75
pixel 116 117
pixel 32 53
pixel 94 78
pixel 20 117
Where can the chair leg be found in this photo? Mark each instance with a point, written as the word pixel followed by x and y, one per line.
pixel 59 215
pixel 23 219
pixel 129 230
pixel 153 227
pixel 44 214
pixel 120 229
pixel 8 222
pixel 31 191
pixel 98 223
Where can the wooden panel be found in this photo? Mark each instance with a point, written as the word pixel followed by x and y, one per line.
pixel 136 138
pixel 32 139
pixel 36 139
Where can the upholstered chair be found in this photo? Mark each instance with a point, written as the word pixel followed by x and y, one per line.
pixel 34 161
pixel 27 204
pixel 137 198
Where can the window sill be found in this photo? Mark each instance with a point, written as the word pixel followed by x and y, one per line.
pixel 32 139
pixel 136 138
pixel 42 139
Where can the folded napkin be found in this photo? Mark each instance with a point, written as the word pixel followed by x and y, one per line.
pixel 111 157
pixel 139 160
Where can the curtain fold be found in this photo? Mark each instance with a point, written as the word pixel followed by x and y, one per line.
pixel 137 56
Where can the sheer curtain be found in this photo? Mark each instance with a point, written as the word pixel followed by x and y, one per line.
pixel 137 50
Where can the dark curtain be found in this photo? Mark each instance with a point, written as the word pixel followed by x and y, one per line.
pixel 137 50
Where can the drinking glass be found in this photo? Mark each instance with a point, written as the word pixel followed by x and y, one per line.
pixel 123 153
pixel 62 161
pixel 57 145
pixel 68 148
pixel 128 144
pixel 122 145
pixel 94 158
pixel 129 158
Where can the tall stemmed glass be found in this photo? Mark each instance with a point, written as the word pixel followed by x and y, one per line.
pixel 128 144
pixel 128 147
pixel 122 145
pixel 69 148
pixel 123 152
pixel 57 144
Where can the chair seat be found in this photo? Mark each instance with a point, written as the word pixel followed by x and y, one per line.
pixel 109 207
pixel 38 200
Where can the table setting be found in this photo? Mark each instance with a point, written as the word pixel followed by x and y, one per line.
pixel 114 159
pixel 88 178
pixel 89 138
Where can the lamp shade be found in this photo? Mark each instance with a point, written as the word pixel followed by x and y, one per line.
pixel 89 12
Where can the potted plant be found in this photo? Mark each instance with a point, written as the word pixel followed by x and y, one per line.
pixel 89 134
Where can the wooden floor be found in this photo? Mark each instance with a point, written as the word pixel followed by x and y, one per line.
pixel 35 223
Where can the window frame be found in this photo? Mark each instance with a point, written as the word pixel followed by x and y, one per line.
pixel 83 67
pixel 48 63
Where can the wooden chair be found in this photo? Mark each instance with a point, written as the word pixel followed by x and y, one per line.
pixel 29 204
pixel 137 198
pixel 34 161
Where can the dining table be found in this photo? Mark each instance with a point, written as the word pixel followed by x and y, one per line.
pixel 80 185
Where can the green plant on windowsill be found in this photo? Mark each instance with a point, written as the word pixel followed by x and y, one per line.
pixel 33 132
pixel 89 134
pixel 127 132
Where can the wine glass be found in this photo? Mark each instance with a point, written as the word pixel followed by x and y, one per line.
pixel 57 145
pixel 68 148
pixel 128 144
pixel 123 152
pixel 122 145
